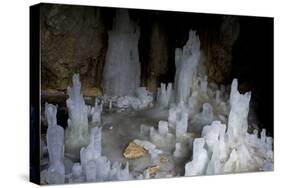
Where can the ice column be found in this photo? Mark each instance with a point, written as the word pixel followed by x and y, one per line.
pixel 121 76
pixel 186 60
pixel 77 130
pixel 55 144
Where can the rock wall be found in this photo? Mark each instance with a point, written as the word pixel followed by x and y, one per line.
pixel 217 47
pixel 73 39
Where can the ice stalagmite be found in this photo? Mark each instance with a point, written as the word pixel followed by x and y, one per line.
pixel 200 159
pixel 95 112
pixel 186 60
pixel 55 144
pixel 164 95
pixel 77 130
pixel 96 167
pixel 237 120
pixel 232 149
pixel 121 76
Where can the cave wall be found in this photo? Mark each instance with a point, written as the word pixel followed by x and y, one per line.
pixel 73 39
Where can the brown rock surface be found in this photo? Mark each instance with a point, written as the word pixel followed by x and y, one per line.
pixel 163 159
pixel 134 151
pixel 73 40
pixel 153 169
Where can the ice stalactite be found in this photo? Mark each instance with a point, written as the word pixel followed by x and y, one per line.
pixel 186 60
pixel 232 149
pixel 121 76
pixel 55 144
pixel 77 131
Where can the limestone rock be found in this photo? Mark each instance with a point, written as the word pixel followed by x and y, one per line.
pixel 134 151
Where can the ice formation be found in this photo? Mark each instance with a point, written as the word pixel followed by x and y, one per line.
pixel 145 97
pixel 142 100
pixel 237 120
pixel 96 167
pixel 121 76
pixel 234 149
pixel 178 118
pixel 165 95
pixel 55 144
pixel 95 112
pixel 76 134
pixel 186 60
pixel 196 123
pixel 150 147
pixel 200 159
pixel 182 123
